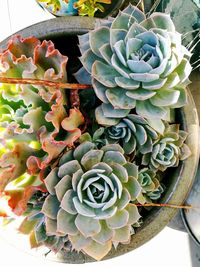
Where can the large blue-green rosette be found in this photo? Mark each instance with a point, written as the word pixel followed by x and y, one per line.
pixel 90 195
pixel 136 62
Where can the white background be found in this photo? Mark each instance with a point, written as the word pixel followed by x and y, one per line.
pixel 169 248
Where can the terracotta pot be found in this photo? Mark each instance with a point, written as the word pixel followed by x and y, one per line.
pixel 63 32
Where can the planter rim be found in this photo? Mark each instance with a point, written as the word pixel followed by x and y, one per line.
pixel 62 26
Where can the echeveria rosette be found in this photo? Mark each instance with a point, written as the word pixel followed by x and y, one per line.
pixel 168 150
pixel 133 132
pixel 151 187
pixel 89 200
pixel 34 226
pixel 36 118
pixel 136 62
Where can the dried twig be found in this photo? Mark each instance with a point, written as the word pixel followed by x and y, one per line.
pixel 73 86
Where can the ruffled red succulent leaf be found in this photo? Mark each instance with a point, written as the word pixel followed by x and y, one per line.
pixel 19 198
pixel 74 120
pixel 58 112
pixel 22 46
pixel 13 164
pixel 51 60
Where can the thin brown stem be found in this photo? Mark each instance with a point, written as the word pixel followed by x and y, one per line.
pixel 166 205
pixel 60 85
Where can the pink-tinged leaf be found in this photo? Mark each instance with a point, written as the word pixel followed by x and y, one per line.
pixel 51 60
pixel 22 46
pixel 74 120
pixel 13 164
pixel 58 112
pixel 19 198
pixel 28 192
pixel 34 165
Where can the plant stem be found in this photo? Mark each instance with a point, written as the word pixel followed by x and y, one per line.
pixel 60 85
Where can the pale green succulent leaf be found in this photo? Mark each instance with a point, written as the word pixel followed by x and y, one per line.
pixel 119 100
pixel 104 74
pixel 116 35
pixel 133 187
pixel 103 166
pixel 122 235
pixel 82 149
pixel 112 157
pixel 119 220
pixel 50 207
pixel 69 168
pixel 124 200
pixel 102 120
pixel 87 226
pixel 67 202
pixel 113 147
pixel 83 209
pixel 97 251
pixel 132 169
pixel 105 235
pixel 134 215
pixel 109 112
pixel 66 223
pixel 121 172
pixel 68 156
pixel 88 59
pixel 106 52
pixel 79 241
pixel 51 226
pixel 165 98
pixel 63 186
pixel 91 158
pixel 135 12
pixel 129 84
pixel 140 94
pixel 51 181
pixel 147 110
pixel 100 91
pixel 98 38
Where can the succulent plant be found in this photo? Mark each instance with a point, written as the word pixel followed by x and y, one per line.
pixel 136 62
pixel 89 200
pixel 151 187
pixel 90 7
pixel 29 144
pixel 132 131
pixel 168 150
pixel 59 7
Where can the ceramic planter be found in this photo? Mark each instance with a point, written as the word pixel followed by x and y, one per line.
pixel 63 32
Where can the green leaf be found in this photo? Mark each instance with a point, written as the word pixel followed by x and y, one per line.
pixel 133 187
pixel 87 226
pixel 91 158
pixel 98 38
pixel 66 223
pixel 97 251
pixel 119 220
pixel 50 207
